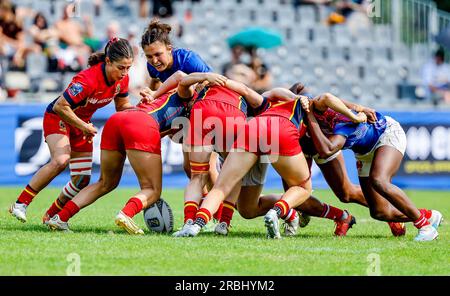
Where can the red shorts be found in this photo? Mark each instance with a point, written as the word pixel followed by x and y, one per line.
pixel 53 124
pixel 269 135
pixel 131 130
pixel 214 123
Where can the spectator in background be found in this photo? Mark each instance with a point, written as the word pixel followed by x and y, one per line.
pixel 46 38
pixel 263 78
pixel 72 39
pixel 436 78
pixel 12 37
pixel 253 72
pixel 351 12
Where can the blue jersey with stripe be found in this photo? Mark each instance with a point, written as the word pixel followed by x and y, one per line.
pixel 164 110
pixel 360 137
pixel 183 60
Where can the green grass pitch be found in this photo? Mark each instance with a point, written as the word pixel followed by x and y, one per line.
pixel 103 249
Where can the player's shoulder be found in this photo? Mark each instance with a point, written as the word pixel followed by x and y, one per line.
pixel 89 75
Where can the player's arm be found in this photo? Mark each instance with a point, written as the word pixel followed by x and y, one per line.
pixel 186 86
pixel 122 103
pixel 155 83
pixel 370 113
pixel 327 100
pixel 324 146
pixel 64 110
pixel 171 83
pixel 252 97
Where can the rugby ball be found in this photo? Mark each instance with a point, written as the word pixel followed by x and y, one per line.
pixel 159 217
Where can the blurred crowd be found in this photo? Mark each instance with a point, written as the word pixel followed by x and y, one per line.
pixel 66 42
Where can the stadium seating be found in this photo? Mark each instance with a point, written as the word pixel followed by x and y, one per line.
pixel 363 65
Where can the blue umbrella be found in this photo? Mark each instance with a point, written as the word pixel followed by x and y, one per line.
pixel 443 38
pixel 258 37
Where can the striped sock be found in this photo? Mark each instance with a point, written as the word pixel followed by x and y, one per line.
pixel 133 206
pixel 331 212
pixel 202 217
pixel 27 195
pixel 291 215
pixel 69 210
pixel 70 190
pixel 190 209
pixel 421 222
pixel 227 212
pixel 56 206
pixel 281 207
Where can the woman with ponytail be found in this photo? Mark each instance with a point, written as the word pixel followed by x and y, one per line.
pixel 163 60
pixel 67 127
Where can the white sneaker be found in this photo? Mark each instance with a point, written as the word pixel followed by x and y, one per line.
pixel 19 210
pixel 125 222
pixel 426 233
pixel 436 219
pixel 221 228
pixel 190 231
pixel 290 228
pixel 271 223
pixel 55 223
pixel 188 223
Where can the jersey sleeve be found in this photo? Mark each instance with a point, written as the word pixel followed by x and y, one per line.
pixel 194 63
pixel 124 87
pixel 78 90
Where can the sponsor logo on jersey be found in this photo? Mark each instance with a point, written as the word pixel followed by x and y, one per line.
pixel 95 101
pixel 117 89
pixel 75 89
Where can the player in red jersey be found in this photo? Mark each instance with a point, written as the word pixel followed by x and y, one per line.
pixel 67 127
pixel 281 124
pixel 120 138
pixel 215 118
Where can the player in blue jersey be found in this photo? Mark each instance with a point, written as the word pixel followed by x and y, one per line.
pixel 163 60
pixel 379 148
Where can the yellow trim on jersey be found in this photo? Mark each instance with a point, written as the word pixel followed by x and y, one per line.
pixel 204 94
pixel 163 105
pixel 293 110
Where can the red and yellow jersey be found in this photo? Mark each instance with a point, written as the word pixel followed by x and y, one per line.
pixel 90 90
pixel 165 109
pixel 291 110
pixel 223 95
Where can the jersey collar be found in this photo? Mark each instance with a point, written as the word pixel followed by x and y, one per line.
pixel 104 75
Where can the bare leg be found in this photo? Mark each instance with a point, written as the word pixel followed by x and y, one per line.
pixel 149 179
pixel 385 164
pixel 236 165
pixel 59 146
pixel 335 174
pixel 111 172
